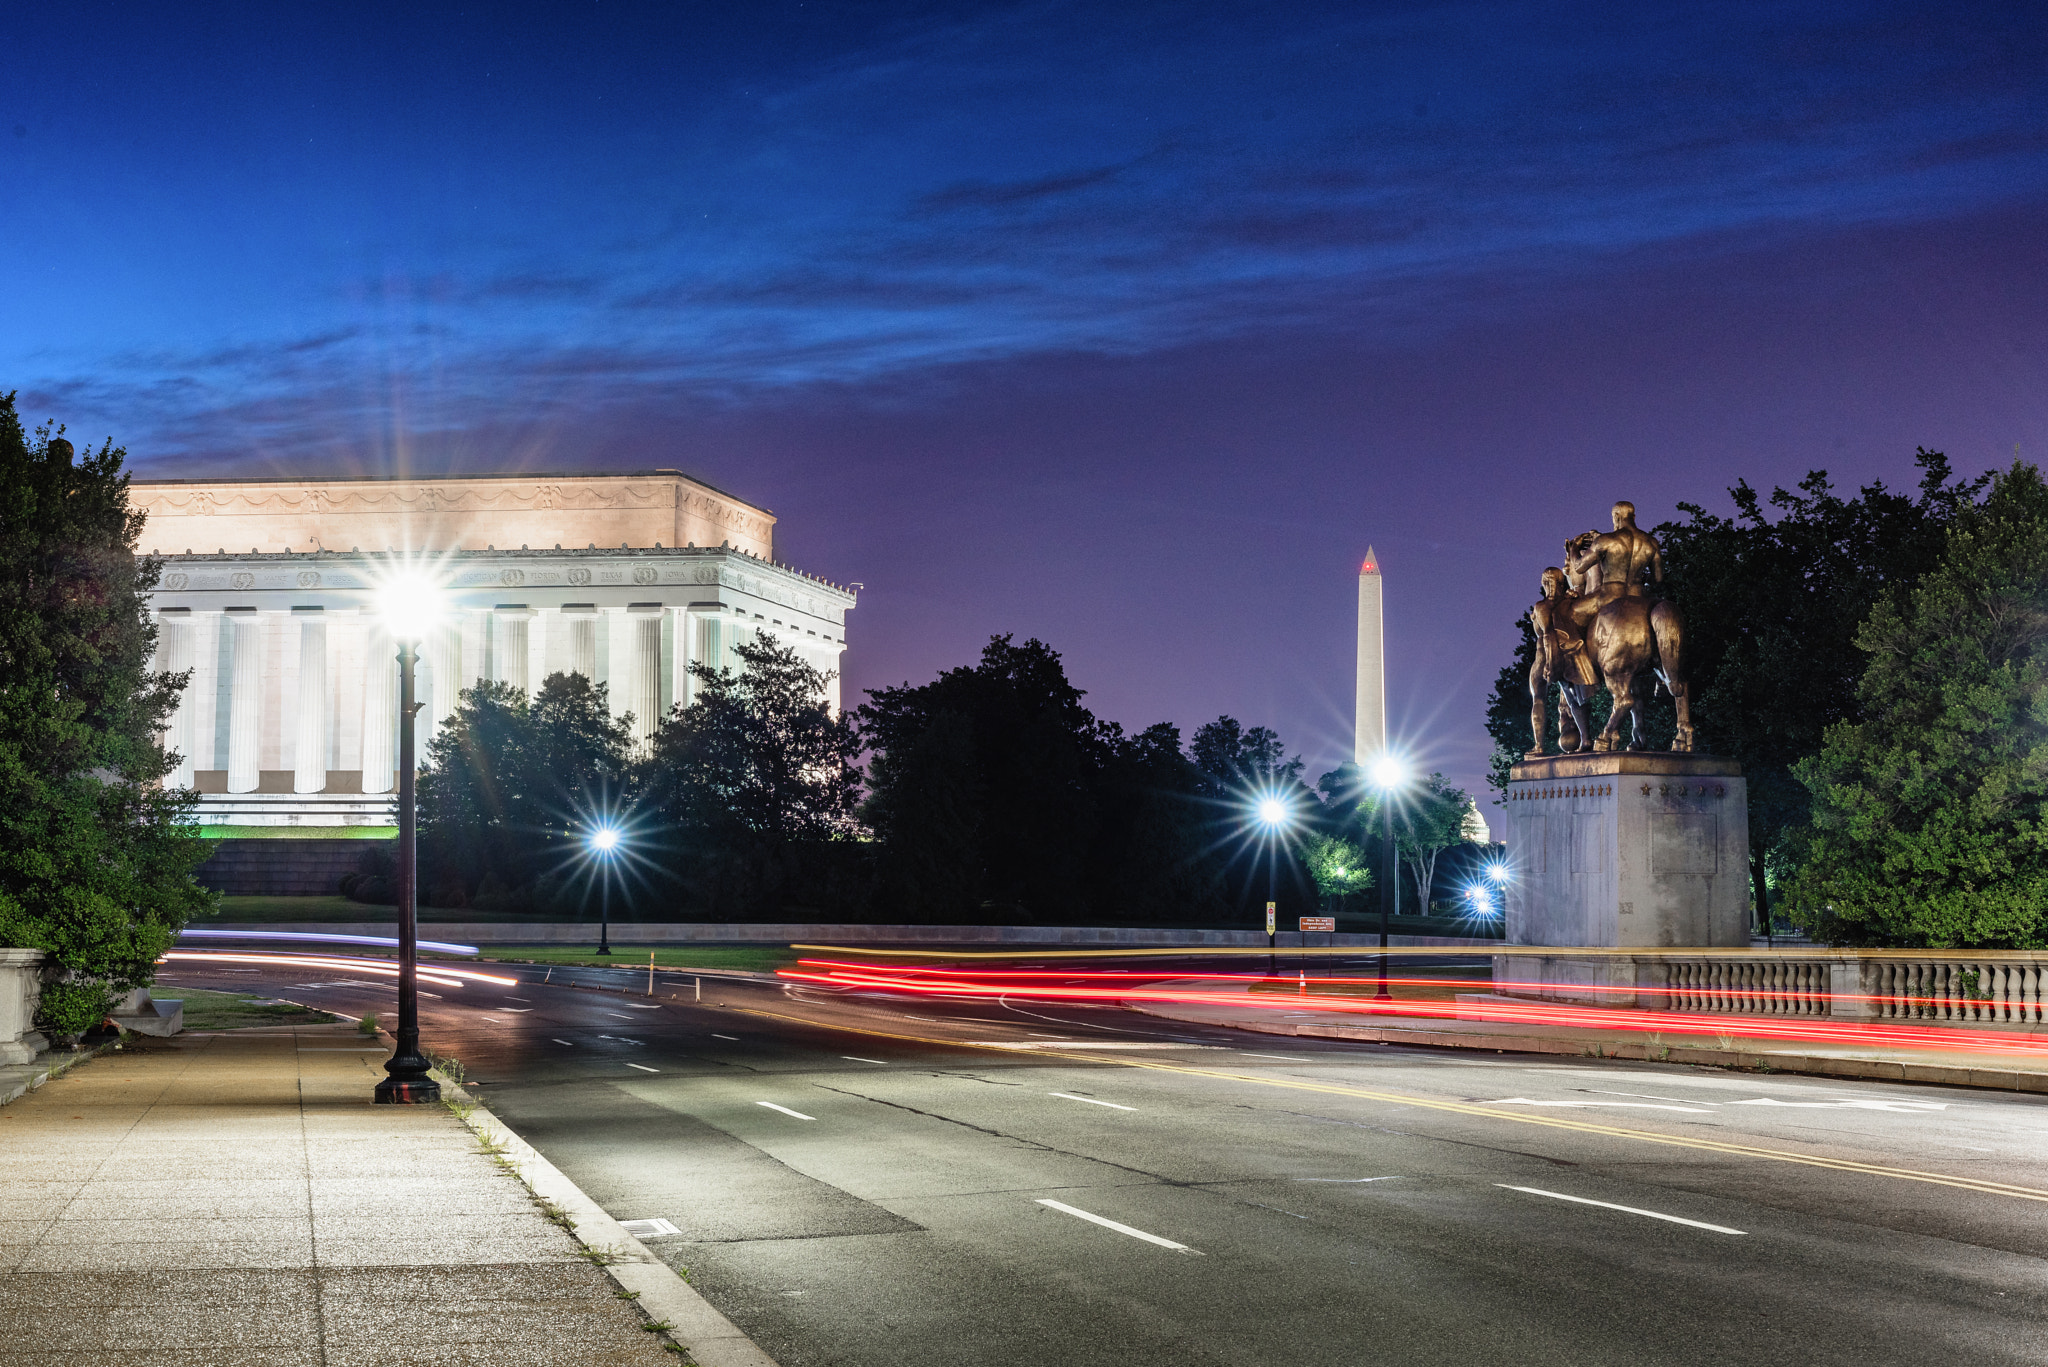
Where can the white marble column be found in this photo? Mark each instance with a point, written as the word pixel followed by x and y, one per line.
pixel 582 642
pixel 510 655
pixel 444 652
pixel 245 700
pixel 174 656
pixel 309 769
pixel 380 712
pixel 645 680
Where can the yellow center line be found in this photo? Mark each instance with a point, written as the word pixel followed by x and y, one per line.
pixel 1454 1107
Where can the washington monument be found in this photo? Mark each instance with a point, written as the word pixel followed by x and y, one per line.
pixel 1370 737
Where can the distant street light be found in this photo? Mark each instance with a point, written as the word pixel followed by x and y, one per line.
pixel 1273 813
pixel 1387 773
pixel 409 605
pixel 603 841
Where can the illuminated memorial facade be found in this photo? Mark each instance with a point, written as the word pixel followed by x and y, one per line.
pixel 267 591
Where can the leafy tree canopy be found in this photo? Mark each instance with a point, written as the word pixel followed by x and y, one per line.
pixel 515 787
pixel 95 860
pixel 1928 821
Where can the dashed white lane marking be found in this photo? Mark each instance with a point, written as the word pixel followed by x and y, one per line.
pixel 1069 1096
pixel 1093 1219
pixel 516 1010
pixel 643 1068
pixel 785 1110
pixel 1626 1210
pixel 1094 1045
pixel 1625 1105
pixel 854 1057
pixel 734 1038
pixel 492 1019
pixel 569 1042
pixel 638 1007
pixel 518 999
pixel 1904 1107
pixel 1290 1058
pixel 1351 1181
pixel 615 1014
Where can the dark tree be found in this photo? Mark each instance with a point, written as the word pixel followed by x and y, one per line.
pixel 753 788
pixel 1930 808
pixel 1034 758
pixel 516 786
pixel 95 857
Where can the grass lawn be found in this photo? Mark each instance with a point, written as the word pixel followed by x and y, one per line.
pixel 759 958
pixel 237 1011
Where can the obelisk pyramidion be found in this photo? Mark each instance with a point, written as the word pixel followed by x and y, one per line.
pixel 1371 736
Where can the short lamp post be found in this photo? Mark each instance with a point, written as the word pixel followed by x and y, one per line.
pixel 408 608
pixel 1388 774
pixel 603 841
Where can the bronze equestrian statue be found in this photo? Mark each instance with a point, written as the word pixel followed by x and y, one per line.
pixel 1597 624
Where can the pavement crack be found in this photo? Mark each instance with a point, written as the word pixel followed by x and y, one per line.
pixel 1012 1138
pixel 1428 1138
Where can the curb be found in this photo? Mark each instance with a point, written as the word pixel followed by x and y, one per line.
pixel 710 1339
pixel 1875 1070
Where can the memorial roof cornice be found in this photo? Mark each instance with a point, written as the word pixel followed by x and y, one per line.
pixel 517 476
pixel 498 553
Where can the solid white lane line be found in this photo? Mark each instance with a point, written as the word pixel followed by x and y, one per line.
pixel 1627 1210
pixel 1290 1058
pixel 643 1068
pixel 516 1010
pixel 1064 1208
pixel 855 1057
pixel 570 1043
pixel 1069 1096
pixel 518 999
pixel 734 1038
pixel 785 1110
pixel 1352 1181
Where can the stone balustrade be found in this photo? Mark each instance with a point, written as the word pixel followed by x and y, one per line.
pixel 1983 987
pixel 21 988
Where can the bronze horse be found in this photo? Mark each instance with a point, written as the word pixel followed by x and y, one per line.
pixel 1596 624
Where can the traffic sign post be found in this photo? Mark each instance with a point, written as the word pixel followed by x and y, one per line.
pixel 1272 915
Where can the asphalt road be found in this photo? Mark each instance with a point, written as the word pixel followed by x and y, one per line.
pixel 862 1180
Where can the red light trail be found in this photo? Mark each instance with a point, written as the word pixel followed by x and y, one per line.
pixel 1030 984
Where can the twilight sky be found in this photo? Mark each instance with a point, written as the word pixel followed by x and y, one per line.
pixel 1126 326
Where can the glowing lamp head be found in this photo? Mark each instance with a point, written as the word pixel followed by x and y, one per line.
pixel 604 839
pixel 1272 812
pixel 409 605
pixel 1387 773
pixel 1498 873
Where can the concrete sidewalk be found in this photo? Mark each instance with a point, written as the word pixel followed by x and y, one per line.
pixel 1949 1065
pixel 234 1199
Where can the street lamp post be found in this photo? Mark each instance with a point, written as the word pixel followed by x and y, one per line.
pixel 604 840
pixel 1272 814
pixel 1387 775
pixel 406 1082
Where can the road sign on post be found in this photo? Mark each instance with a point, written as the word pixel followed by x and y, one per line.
pixel 1272 910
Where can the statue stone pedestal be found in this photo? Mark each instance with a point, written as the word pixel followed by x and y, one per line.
pixel 21 987
pixel 1633 849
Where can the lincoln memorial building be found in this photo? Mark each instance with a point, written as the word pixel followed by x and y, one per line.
pixel 291 717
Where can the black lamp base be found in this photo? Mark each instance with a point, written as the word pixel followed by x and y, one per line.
pixel 394 1091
